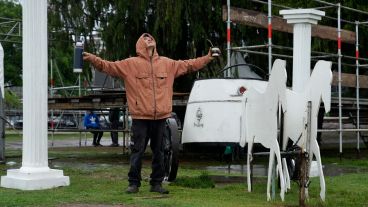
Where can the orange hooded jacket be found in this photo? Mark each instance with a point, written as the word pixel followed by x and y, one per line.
pixel 149 80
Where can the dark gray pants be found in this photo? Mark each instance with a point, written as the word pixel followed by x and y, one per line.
pixel 97 137
pixel 115 135
pixel 144 130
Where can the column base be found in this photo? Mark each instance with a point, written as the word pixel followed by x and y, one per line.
pixel 21 180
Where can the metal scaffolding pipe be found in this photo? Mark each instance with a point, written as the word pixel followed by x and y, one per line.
pixel 357 81
pixel 323 56
pixel 324 7
pixel 250 47
pixel 343 130
pixel 339 72
pixel 344 7
pixel 276 5
pixel 265 53
pixel 228 22
pixel 269 36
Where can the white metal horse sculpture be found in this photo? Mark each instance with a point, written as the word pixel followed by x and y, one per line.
pixel 317 89
pixel 261 120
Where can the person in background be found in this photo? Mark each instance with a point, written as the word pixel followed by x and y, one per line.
pixel 148 80
pixel 91 121
pixel 114 115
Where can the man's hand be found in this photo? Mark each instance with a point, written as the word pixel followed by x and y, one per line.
pixel 87 56
pixel 210 54
pixel 214 52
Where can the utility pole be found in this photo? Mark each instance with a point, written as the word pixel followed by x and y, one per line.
pixel 2 124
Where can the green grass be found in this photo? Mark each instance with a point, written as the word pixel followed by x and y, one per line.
pixel 98 176
pixel 201 181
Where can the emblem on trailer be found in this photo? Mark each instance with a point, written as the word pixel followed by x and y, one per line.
pixel 199 117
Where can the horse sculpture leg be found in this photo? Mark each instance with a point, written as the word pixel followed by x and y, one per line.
pixel 282 181
pixel 316 152
pixel 249 158
pixel 270 166
pixel 273 152
pixel 286 174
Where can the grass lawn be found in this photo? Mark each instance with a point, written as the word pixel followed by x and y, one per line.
pixel 98 176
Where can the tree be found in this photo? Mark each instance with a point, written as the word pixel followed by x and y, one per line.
pixel 12 50
pixel 181 29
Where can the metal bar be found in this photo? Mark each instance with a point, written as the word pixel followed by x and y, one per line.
pixel 88 130
pixel 11 30
pixel 323 56
pixel 11 19
pixel 357 82
pixel 226 73
pixel 8 34
pixel 269 29
pixel 327 3
pixel 52 95
pixel 319 52
pixel 266 53
pixel 65 87
pixel 339 5
pixel 250 47
pixel 269 36
pixel 281 153
pixel 276 5
pixel 343 130
pixel 11 41
pixel 354 58
pixel 127 130
pixel 1 23
pixel 288 56
pixel 339 71
pixel 324 7
pixel 342 20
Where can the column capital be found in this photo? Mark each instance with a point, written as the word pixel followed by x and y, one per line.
pixel 300 16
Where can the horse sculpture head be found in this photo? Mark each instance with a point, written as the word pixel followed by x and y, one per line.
pixel 322 72
pixel 277 79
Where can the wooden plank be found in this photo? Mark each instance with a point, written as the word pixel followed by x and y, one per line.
pixel 258 19
pixel 349 80
pixel 103 101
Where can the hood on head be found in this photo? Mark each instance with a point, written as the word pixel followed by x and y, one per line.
pixel 141 47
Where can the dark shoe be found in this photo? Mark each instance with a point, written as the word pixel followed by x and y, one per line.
pixel 159 189
pixel 114 145
pixel 98 145
pixel 132 189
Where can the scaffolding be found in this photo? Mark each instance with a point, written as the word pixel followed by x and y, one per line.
pixel 10 30
pixel 316 55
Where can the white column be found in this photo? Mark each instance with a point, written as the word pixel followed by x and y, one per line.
pixel 2 69
pixel 302 20
pixel 34 173
pixel 2 137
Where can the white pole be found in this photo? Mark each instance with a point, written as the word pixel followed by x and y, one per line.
pixel 357 82
pixel 269 18
pixel 269 36
pixel 339 72
pixel 228 30
pixel 2 69
pixel 34 173
pixel 2 134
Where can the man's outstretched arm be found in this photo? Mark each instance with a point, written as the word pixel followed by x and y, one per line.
pixel 117 68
